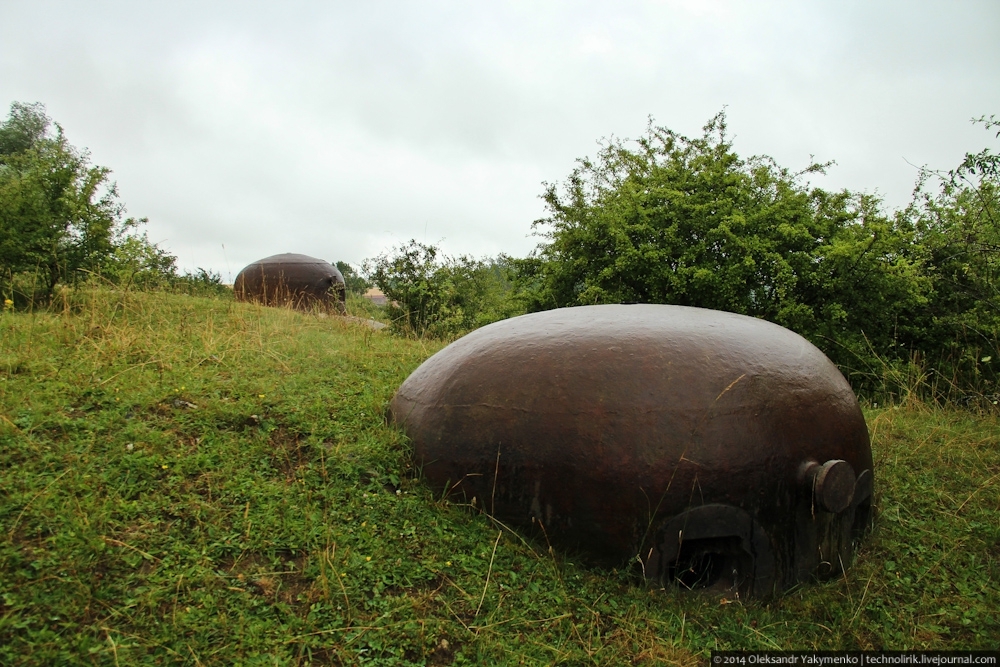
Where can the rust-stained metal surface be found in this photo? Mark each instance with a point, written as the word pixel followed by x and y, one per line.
pixel 715 449
pixel 293 280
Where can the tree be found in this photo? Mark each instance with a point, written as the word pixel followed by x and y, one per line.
pixel 957 228
pixel 354 282
pixel 670 219
pixel 26 126
pixel 59 215
pixel 430 293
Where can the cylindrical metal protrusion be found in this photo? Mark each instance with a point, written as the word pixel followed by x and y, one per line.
pixel 832 484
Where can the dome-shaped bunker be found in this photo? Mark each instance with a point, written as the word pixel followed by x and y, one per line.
pixel 293 280
pixel 720 450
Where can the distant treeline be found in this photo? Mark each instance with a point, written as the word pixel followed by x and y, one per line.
pixel 902 301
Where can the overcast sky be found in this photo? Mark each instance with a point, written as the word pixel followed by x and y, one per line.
pixel 339 129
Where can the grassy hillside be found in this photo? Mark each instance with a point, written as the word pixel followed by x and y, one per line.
pixel 195 481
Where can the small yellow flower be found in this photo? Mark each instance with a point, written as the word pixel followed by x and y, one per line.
pixel 7 304
pixel 447 563
pixel 164 466
pixel 260 395
pixel 368 557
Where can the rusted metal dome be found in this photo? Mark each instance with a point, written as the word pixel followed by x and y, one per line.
pixel 293 280
pixel 715 449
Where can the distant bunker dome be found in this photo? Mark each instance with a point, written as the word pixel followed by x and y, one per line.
pixel 292 280
pixel 719 451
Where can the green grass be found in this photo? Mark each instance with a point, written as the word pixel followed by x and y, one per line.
pixel 195 481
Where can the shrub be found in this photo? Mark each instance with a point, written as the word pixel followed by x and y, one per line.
pixel 432 294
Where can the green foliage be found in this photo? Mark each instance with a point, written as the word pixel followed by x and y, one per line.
pixel 135 261
pixel 202 282
pixel 670 219
pixel 957 232
pixel 355 282
pixel 26 126
pixel 434 295
pixel 190 480
pixel 410 279
pixel 60 216
pixel 677 220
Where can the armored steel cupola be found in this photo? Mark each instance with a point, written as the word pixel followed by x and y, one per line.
pixel 292 280
pixel 719 450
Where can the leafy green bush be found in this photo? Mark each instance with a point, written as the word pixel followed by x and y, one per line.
pixel 957 231
pixel 671 219
pixel 134 261
pixel 354 281
pixel 436 295
pixel 202 282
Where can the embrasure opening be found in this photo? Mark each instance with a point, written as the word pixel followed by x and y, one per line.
pixel 717 563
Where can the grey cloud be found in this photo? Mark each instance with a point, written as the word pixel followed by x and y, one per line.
pixel 344 127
